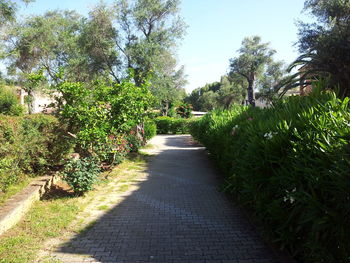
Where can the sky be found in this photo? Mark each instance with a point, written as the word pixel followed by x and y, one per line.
pixel 215 30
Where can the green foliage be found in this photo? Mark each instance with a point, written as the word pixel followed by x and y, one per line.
pixel 168 125
pixel 324 46
pixel 81 174
pixel 9 104
pixel 230 90
pixel 150 129
pixel 8 10
pixel 290 165
pixel 32 83
pixel 184 110
pixel 98 115
pixel 254 63
pixel 135 141
pixel 29 145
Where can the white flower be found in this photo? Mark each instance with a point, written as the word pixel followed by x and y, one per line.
pixel 289 197
pixel 234 130
pixel 269 135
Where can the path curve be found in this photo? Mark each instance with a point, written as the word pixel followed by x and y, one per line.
pixel 176 215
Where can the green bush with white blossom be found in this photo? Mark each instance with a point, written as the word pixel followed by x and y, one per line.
pixel 289 165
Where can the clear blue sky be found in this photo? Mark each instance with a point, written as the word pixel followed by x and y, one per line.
pixel 215 30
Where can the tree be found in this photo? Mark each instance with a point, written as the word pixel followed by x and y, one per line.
pixel 253 59
pixel 47 42
pixel 138 35
pixel 8 10
pixel 270 81
pixel 232 90
pixel 31 84
pixel 148 31
pixel 324 46
pixel 218 94
pixel 97 42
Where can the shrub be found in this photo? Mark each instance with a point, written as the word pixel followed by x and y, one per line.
pixel 100 113
pixel 29 145
pixel 9 104
pixel 135 141
pixel 81 174
pixel 150 129
pixel 290 165
pixel 168 125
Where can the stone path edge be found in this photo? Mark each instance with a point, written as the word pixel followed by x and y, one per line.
pixel 19 204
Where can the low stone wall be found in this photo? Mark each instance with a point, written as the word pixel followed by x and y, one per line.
pixel 19 204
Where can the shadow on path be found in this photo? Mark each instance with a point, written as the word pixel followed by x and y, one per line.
pixel 176 215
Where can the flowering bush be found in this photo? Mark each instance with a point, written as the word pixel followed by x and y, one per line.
pixel 290 165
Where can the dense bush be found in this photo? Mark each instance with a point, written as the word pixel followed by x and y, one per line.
pixel 29 145
pixel 150 129
pixel 9 103
pixel 99 115
pixel 168 125
pixel 290 165
pixel 81 174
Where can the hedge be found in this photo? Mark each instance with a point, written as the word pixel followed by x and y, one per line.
pixel 29 145
pixel 150 129
pixel 289 165
pixel 169 125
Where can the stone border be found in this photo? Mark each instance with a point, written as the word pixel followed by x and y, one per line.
pixel 16 206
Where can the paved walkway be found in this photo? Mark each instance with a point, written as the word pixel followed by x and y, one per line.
pixel 176 215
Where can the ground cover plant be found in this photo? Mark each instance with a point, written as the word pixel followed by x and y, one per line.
pixel 289 164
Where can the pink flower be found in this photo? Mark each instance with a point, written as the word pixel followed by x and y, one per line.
pixel 250 119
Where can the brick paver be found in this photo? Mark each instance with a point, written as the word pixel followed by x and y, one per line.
pixel 177 215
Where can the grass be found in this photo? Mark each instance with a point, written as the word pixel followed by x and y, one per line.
pixel 14 189
pixel 103 207
pixel 47 219
pixel 51 217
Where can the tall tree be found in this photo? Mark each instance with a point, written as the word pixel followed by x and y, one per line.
pixel 148 32
pixel 46 41
pixel 97 43
pixel 324 45
pixel 232 90
pixel 253 59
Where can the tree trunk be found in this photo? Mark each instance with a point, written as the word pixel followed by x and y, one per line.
pixel 251 99
pixel 30 101
pixel 165 107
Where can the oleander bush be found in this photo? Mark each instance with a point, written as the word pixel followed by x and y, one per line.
pixel 169 125
pixel 30 145
pixel 289 165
